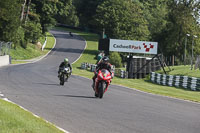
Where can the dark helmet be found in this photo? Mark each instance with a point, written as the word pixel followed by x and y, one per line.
pixel 105 59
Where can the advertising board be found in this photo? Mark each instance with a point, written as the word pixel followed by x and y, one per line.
pixel 133 46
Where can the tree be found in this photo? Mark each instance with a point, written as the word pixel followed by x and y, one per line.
pixel 66 13
pixel 181 21
pixel 122 19
pixel 86 10
pixel 115 59
pixel 46 9
pixel 22 12
pixel 156 12
pixel 9 20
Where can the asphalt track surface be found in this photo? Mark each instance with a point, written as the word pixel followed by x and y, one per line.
pixel 73 107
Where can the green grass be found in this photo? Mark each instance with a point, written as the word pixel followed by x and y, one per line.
pixel 182 71
pixel 139 84
pixel 18 62
pixel 50 43
pixel 13 119
pixel 32 51
pixel 22 54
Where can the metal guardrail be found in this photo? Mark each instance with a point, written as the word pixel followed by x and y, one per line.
pixel 5 48
pixel 176 81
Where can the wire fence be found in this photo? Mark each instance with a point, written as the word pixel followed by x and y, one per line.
pixel 5 48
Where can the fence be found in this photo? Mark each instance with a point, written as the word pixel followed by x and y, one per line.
pixel 5 48
pixel 191 83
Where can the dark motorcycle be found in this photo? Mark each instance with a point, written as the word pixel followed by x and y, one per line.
pixel 65 73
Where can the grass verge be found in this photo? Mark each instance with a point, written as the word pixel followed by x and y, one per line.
pixel 139 84
pixel 182 71
pixel 13 119
pixel 21 55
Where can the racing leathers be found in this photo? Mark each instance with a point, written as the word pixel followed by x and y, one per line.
pixel 64 65
pixel 100 66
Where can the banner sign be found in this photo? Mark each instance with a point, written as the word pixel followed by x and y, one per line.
pixel 133 46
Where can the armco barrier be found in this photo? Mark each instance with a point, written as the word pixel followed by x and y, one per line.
pixel 177 81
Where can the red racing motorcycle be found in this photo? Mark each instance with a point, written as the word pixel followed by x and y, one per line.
pixel 102 82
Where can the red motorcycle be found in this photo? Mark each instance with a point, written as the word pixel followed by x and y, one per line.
pixel 102 82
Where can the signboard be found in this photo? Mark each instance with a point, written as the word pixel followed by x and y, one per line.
pixel 133 46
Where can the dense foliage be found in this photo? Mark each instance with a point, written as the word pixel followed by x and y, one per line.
pixel 164 21
pixel 122 19
pixel 9 20
pixel 24 21
pixel 115 59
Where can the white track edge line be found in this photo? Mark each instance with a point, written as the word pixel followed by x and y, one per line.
pixel 82 51
pixel 6 99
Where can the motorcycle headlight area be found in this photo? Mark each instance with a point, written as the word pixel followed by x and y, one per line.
pixel 101 76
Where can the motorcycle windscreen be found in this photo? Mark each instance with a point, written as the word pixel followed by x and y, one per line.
pixel 105 72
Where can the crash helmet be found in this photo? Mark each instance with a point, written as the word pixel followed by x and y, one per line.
pixel 105 59
pixel 66 60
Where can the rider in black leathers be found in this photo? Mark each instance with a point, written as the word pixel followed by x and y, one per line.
pixel 64 65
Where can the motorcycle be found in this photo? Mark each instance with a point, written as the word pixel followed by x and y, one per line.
pixel 102 82
pixel 65 73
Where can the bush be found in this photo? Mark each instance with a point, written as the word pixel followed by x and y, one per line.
pixel 20 38
pixel 115 59
pixel 33 31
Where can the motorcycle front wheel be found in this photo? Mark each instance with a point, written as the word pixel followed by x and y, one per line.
pixel 102 86
pixel 62 79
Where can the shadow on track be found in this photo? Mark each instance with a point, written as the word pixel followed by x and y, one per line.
pixel 73 96
pixel 47 84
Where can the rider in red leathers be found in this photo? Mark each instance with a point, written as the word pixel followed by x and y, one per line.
pixel 103 64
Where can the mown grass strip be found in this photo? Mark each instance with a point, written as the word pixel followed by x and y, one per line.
pixel 140 84
pixel 13 119
pixel 182 71
pixel 18 62
pixel 32 51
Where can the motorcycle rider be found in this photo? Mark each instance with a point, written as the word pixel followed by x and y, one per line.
pixel 103 64
pixel 64 65
pixel 100 56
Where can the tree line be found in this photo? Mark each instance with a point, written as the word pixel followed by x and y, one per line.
pixel 165 21
pixel 25 21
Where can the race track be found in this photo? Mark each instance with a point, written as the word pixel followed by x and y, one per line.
pixel 73 107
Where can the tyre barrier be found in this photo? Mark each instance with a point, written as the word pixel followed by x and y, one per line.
pixel 92 67
pixel 191 83
pixel 85 65
pixel 121 73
